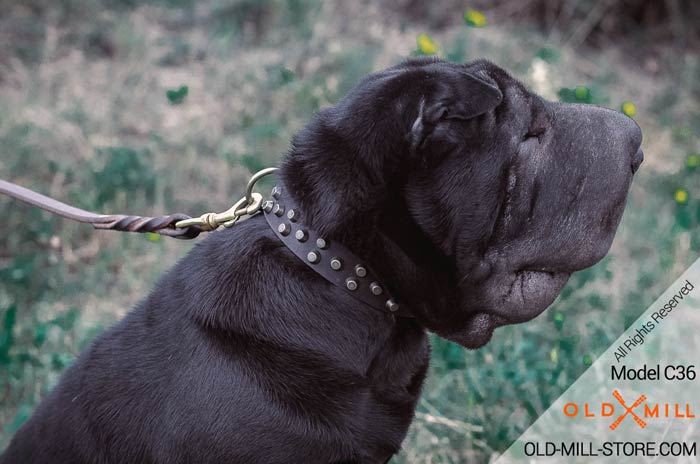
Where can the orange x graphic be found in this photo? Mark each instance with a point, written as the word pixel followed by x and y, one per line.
pixel 628 410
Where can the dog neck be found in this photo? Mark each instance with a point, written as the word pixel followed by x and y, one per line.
pixel 411 267
pixel 418 270
pixel 328 258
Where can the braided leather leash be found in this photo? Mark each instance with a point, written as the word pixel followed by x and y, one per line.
pixel 176 225
pixel 163 225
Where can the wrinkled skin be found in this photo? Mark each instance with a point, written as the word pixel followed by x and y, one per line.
pixel 505 194
pixel 471 198
pixel 547 203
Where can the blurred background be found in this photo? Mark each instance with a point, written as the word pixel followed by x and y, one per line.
pixel 159 106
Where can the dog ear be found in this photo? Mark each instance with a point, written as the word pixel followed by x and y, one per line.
pixel 459 99
pixel 346 164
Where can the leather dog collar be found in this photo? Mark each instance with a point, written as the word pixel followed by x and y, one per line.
pixel 330 260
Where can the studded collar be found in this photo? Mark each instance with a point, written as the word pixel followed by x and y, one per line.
pixel 331 260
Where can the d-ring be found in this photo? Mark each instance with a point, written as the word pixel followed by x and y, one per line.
pixel 253 180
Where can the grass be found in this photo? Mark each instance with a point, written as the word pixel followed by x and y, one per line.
pixel 162 106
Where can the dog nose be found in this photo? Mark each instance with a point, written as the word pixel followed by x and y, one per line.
pixel 637 160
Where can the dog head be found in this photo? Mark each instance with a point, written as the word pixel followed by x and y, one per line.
pixel 508 192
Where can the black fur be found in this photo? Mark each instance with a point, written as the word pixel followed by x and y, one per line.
pixel 472 198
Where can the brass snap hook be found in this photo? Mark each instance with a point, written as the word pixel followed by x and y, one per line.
pixel 246 206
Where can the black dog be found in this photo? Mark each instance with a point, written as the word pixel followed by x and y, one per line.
pixel 472 198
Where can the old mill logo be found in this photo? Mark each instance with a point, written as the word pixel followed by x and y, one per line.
pixel 640 411
pixel 628 410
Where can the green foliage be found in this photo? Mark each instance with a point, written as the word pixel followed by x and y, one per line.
pixel 579 94
pixel 280 75
pixel 252 163
pixel 7 334
pixel 123 170
pixel 548 54
pixel 682 193
pixel 177 96
pixel 22 415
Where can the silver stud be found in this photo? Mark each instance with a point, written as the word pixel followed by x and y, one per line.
pixel 284 229
pixel 276 192
pixel 301 235
pixel 360 270
pixel 322 243
pixel 375 288
pixel 392 306
pixel 336 264
pixel 267 206
pixel 293 215
pixel 351 284
pixel 278 209
pixel 313 257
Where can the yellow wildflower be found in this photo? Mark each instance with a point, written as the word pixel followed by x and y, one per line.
pixel 153 237
pixel 629 108
pixel 475 18
pixel 426 45
pixel 681 196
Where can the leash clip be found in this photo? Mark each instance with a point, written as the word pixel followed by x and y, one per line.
pixel 249 205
